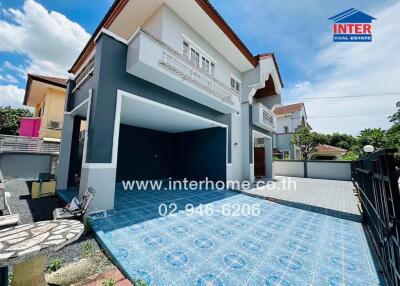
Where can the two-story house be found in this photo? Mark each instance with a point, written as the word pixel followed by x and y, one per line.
pixel 47 96
pixel 168 91
pixel 289 118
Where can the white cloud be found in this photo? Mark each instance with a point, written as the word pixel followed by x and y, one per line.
pixel 367 72
pixel 49 39
pixel 11 95
pixel 8 78
pixel 20 70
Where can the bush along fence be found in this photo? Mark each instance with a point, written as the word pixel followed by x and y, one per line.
pixel 376 181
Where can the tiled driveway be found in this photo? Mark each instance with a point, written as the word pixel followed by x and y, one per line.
pixel 280 246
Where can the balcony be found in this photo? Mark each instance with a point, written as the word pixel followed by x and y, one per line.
pixel 153 60
pixel 263 117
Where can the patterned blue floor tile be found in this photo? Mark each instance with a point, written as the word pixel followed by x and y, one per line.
pixel 280 246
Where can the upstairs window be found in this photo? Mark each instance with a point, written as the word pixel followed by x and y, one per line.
pixel 198 59
pixel 195 57
pixel 235 84
pixel 285 129
pixel 186 49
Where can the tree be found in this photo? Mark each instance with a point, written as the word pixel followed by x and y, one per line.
pixel 375 137
pixel 307 141
pixel 341 140
pixel 395 118
pixel 10 119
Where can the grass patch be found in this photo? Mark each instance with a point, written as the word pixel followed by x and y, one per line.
pixel 88 249
pixel 54 265
pixel 108 282
pixel 139 282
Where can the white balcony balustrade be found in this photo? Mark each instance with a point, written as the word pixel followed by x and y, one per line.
pixel 155 61
pixel 263 117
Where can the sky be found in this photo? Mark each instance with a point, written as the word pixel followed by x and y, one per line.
pixel 346 87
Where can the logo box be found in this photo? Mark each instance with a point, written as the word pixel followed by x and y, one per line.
pixel 352 25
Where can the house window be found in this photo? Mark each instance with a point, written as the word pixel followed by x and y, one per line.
pixel 195 57
pixel 198 59
pixel 41 110
pixel 205 65
pixel 285 129
pixel 213 69
pixel 235 84
pixel 186 49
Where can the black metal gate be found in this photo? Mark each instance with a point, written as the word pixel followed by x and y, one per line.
pixel 376 182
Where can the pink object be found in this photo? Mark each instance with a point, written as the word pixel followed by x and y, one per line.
pixel 29 127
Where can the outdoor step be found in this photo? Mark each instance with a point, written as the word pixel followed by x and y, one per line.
pixel 98 280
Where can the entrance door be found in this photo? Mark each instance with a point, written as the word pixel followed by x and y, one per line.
pixel 259 162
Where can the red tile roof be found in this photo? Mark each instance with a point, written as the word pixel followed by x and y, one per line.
pixel 284 109
pixel 329 148
pixel 49 79
pixel 118 6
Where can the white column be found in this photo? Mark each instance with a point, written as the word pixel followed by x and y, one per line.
pixel 245 158
pixel 102 179
pixel 269 167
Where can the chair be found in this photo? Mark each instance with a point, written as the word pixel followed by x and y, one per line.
pixel 6 218
pixel 65 213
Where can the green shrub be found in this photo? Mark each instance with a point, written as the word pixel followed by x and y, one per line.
pixel 88 249
pixel 139 282
pixel 108 282
pixel 88 226
pixel 54 265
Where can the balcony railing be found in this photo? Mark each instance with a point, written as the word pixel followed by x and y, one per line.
pixel 268 117
pixel 154 60
pixel 10 143
pixel 177 63
pixel 186 71
pixel 263 117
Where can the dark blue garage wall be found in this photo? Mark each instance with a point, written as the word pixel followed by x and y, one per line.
pixel 145 154
pixel 202 153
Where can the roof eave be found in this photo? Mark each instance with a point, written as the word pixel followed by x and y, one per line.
pixel 31 78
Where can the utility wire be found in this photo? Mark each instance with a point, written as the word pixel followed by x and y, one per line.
pixel 352 96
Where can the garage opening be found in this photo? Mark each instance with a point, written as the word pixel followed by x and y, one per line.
pixel 158 142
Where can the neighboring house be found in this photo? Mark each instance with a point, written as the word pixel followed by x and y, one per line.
pixel 289 119
pixel 47 96
pixel 328 152
pixel 169 91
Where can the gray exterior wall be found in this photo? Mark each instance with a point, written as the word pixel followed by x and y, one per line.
pixel 109 76
pixel 256 128
pixel 25 165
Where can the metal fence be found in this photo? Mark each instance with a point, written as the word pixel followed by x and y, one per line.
pixel 10 143
pixel 376 182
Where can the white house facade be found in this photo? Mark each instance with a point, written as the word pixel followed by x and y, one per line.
pixel 289 119
pixel 168 91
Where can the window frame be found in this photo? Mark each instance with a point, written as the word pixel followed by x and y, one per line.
pixel 189 49
pixel 286 129
pixel 237 84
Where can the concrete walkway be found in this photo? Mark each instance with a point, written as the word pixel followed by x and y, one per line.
pixel 330 197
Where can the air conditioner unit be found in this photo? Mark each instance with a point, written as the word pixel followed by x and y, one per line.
pixel 54 124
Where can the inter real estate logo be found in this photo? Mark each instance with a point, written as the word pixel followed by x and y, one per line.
pixel 352 26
